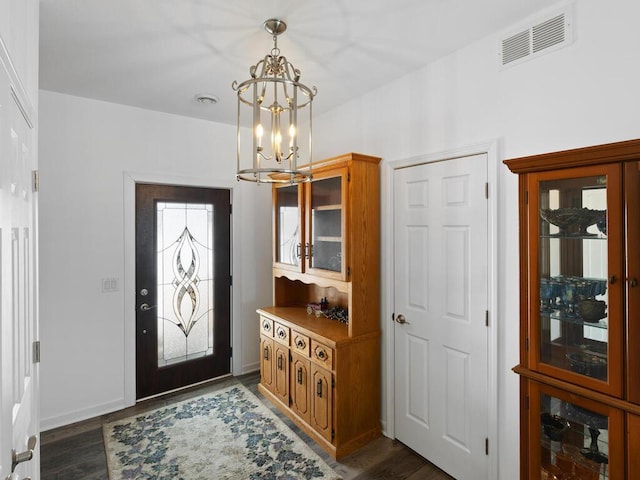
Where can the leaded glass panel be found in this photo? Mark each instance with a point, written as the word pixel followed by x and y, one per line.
pixel 185 281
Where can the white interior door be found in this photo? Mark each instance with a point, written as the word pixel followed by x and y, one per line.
pixel 441 293
pixel 18 267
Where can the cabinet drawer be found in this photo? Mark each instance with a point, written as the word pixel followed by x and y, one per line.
pixel 266 326
pixel 321 355
pixel 300 343
pixel 281 333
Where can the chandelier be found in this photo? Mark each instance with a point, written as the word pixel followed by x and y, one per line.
pixel 277 102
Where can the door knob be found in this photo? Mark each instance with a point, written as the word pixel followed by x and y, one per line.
pixel 18 458
pixel 145 307
pixel 401 320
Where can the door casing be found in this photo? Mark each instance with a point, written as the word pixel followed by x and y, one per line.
pixel 387 301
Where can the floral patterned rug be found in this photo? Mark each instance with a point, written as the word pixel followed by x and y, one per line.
pixel 228 434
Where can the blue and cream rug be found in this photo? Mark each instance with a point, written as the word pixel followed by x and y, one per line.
pixel 225 435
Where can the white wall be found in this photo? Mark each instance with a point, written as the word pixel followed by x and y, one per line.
pixel 86 146
pixel 582 95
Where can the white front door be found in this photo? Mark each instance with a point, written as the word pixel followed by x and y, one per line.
pixel 441 302
pixel 18 270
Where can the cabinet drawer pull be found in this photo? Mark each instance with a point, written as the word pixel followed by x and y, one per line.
pixel 300 375
pixel 634 282
pixel 300 343
pixel 298 247
pixel 279 363
pixel 321 354
pixel 266 353
pixel 319 389
pixel 307 252
pixel 281 333
pixel 266 326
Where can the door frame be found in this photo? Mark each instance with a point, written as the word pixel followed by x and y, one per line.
pixel 129 183
pixel 490 149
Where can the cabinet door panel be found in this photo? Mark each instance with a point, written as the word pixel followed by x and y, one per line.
pixel 300 386
pixel 326 224
pixel 322 402
pixel 281 372
pixel 288 227
pixel 575 291
pixel 266 362
pixel 632 221
pixel 573 437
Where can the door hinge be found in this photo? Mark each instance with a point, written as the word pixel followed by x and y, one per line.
pixel 230 208
pixel 486 190
pixel 333 383
pixel 486 446
pixel 36 351
pixel 231 352
pixel 230 280
pixel 349 177
pixel 348 271
pixel 36 180
pixel 486 318
pixel 333 434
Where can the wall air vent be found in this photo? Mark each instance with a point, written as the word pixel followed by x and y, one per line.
pixel 544 36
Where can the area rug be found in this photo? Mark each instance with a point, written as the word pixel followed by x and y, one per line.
pixel 227 435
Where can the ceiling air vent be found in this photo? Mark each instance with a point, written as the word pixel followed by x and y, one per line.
pixel 542 37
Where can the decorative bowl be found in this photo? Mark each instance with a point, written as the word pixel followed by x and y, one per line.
pixel 553 426
pixel 588 364
pixel 591 310
pixel 573 221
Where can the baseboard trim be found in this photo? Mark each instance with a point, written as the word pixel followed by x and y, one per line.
pixel 80 415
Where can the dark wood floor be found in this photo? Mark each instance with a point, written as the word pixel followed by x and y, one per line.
pixel 76 452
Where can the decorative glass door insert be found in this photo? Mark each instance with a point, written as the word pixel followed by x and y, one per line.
pixel 183 286
pixel 185 281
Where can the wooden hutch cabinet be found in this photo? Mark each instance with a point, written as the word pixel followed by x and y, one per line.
pixel 320 364
pixel 580 313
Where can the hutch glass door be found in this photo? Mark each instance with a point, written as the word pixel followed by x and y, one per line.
pixel 578 287
pixel 326 225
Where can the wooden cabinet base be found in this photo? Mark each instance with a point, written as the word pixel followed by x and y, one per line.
pixel 336 451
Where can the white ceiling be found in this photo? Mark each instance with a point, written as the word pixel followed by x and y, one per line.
pixel 158 54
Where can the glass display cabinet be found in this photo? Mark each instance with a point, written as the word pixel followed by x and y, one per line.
pixel 309 221
pixel 578 324
pixel 579 312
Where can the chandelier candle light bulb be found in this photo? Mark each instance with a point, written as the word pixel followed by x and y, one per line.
pixel 275 93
